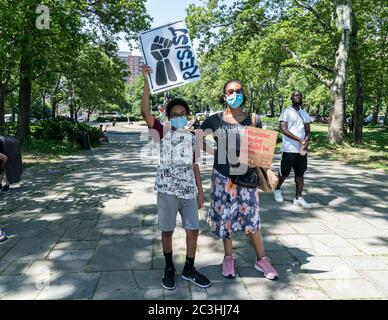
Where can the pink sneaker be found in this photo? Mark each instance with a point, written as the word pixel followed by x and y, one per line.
pixel 264 265
pixel 228 267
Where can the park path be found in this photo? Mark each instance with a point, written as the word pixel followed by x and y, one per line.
pixel 86 228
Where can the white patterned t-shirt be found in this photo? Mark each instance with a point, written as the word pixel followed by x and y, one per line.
pixel 175 173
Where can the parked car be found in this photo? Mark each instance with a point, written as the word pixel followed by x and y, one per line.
pixel 368 119
pixel 8 118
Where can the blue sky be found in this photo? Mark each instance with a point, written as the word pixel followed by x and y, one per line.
pixel 163 12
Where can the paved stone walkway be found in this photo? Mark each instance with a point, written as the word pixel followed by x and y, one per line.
pixel 86 228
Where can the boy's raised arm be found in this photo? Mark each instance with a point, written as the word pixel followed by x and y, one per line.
pixel 145 99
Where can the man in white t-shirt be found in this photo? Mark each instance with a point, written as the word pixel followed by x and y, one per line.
pixel 295 126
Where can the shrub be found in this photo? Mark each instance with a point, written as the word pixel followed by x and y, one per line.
pixel 271 123
pixel 10 129
pixel 64 130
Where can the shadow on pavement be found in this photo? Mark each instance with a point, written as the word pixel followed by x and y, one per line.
pixel 87 228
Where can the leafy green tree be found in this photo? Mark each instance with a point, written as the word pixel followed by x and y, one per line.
pixel 277 46
pixel 72 24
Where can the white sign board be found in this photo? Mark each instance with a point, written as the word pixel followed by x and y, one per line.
pixel 170 54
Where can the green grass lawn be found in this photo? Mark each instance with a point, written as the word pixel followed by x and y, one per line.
pixel 372 153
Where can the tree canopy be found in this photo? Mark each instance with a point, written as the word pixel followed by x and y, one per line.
pixel 65 50
pixel 274 47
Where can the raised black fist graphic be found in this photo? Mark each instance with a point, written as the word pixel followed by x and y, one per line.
pixel 160 50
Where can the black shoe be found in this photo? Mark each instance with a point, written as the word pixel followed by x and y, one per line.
pixel 168 281
pixel 5 188
pixel 195 277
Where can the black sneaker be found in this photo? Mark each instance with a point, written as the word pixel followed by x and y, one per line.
pixel 168 281
pixel 195 277
pixel 5 188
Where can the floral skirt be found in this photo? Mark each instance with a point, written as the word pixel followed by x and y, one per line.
pixel 232 208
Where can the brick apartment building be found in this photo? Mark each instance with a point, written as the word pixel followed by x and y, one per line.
pixel 134 64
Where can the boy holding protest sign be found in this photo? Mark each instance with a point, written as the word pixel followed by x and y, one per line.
pixel 177 179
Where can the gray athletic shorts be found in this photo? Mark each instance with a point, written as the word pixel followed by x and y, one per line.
pixel 168 205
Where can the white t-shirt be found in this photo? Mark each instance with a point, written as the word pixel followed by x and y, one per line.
pixel 295 123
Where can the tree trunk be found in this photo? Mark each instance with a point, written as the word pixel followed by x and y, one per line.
pixel 280 109
pixel 3 90
pixel 344 129
pixel 43 105
pixel 13 117
pixel 386 115
pixel 71 107
pixel 272 108
pixel 53 108
pixel 337 95
pixel 318 113
pixel 54 100
pixel 358 107
pixel 76 113
pixel 379 102
pixel 24 92
pixel 90 110
pixel 337 89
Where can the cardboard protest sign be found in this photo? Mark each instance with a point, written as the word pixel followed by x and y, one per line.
pixel 260 145
pixel 169 52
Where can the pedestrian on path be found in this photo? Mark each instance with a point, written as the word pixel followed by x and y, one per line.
pixel 5 188
pixel 233 208
pixel 295 126
pixel 3 162
pixel 9 166
pixel 177 179
pixel 103 135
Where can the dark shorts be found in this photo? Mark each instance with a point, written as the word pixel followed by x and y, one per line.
pixel 293 161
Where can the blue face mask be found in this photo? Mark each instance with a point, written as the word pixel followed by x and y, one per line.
pixel 179 122
pixel 235 100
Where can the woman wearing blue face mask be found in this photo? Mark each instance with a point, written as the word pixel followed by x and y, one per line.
pixel 178 183
pixel 233 208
